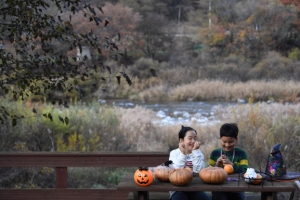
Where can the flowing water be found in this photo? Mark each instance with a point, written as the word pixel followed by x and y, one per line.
pixel 177 112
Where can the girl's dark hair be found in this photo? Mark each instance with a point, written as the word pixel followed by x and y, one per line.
pixel 229 130
pixel 183 131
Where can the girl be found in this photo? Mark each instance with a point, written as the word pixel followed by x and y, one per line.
pixel 188 154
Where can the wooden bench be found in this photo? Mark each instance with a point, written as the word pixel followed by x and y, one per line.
pixel 61 162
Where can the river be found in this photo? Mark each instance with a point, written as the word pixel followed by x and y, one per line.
pixel 177 112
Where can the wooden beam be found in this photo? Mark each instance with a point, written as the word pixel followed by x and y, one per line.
pixel 62 194
pixel 77 159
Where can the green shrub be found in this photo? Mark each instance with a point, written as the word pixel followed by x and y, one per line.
pixel 294 54
pixel 95 177
pixel 91 127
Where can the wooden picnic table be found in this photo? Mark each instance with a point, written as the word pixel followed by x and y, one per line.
pixel 235 184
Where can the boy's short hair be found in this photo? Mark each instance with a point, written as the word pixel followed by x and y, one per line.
pixel 229 130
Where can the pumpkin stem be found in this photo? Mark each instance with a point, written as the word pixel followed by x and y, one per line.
pixel 143 168
pixel 167 163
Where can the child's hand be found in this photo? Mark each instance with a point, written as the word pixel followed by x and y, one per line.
pixel 225 160
pixel 182 147
pixel 196 145
pixel 220 161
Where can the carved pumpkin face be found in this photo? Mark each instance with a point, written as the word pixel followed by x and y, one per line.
pixel 143 177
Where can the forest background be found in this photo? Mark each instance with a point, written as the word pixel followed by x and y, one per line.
pixel 174 51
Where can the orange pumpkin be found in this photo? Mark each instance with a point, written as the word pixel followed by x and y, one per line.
pixel 181 176
pixel 255 181
pixel 213 175
pixel 162 173
pixel 143 177
pixel 228 168
pixel 189 169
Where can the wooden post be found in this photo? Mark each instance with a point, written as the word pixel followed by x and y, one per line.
pixel 141 195
pixel 61 177
pixel 268 195
pixel 297 190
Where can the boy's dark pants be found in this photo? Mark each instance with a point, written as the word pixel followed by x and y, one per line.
pixel 228 195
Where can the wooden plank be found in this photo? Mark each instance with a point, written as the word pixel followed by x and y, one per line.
pixel 86 194
pixel 166 196
pixel 61 177
pixel 62 194
pixel 127 184
pixel 107 159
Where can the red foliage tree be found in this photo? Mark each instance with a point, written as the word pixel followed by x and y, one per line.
pixel 121 29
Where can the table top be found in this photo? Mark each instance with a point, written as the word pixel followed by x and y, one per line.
pixel 235 183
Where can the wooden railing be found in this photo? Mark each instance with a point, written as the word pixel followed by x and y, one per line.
pixel 61 162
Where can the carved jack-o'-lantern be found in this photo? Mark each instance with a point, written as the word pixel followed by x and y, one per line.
pixel 143 177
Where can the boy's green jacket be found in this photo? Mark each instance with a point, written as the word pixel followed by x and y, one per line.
pixel 237 156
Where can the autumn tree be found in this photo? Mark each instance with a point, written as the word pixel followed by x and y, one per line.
pixel 32 62
pixel 158 39
pixel 123 24
pixel 291 2
pixel 251 28
pixel 147 6
pixel 178 10
pixel 266 26
pixel 173 10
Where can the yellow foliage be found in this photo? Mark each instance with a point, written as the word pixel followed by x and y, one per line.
pixel 95 143
pixel 76 142
pixel 242 34
pixel 217 38
pixel 20 146
pixel 46 170
pixel 254 112
pixel 250 19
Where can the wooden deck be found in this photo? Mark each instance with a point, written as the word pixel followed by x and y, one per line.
pixel 61 161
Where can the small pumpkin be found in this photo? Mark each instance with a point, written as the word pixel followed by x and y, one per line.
pixel 143 177
pixel 213 175
pixel 162 171
pixel 181 177
pixel 257 180
pixel 228 168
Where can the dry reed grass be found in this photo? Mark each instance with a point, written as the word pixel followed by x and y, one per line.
pixel 140 133
pixel 167 87
pixel 143 135
pixel 228 91
pixel 261 127
pixel 206 90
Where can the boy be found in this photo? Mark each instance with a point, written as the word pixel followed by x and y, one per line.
pixel 229 154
